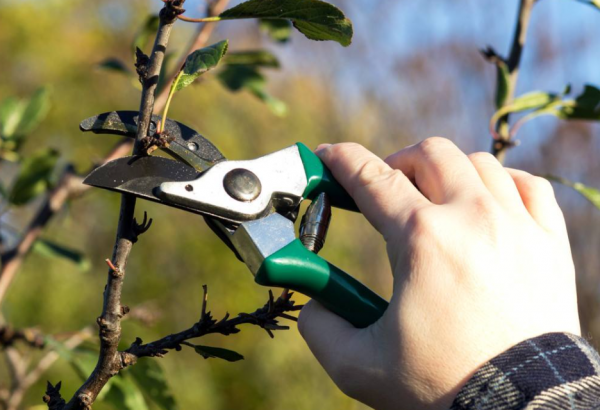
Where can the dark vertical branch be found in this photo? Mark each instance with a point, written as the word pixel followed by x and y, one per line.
pixel 503 143
pixel 112 311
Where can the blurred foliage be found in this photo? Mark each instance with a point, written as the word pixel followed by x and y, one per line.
pixel 436 88
pixel 589 193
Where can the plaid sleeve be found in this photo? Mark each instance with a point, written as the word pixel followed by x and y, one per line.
pixel 553 371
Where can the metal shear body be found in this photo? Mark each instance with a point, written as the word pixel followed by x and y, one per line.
pixel 252 206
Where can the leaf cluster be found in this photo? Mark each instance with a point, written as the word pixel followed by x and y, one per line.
pixel 36 174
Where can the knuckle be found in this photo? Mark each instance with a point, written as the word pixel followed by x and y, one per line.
pixel 420 223
pixel 488 216
pixel 371 173
pixel 434 144
pixel 482 157
pixel 544 185
pixel 484 203
pixel 346 147
pixel 537 185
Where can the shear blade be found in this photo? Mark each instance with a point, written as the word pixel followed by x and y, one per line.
pixel 141 176
pixel 187 145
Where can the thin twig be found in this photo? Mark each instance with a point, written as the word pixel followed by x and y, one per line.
pixel 31 337
pixel 265 317
pixel 213 8
pixel 503 143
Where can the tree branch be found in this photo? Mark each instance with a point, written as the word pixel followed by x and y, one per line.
pixel 265 317
pixel 110 320
pixel 503 142
pixel 31 336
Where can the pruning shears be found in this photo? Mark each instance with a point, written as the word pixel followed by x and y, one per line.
pixel 251 205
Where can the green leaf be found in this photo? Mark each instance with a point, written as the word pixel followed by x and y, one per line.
pixel 278 30
pixel 54 250
pixel 10 156
pixel 151 378
pixel 145 33
pixel 502 83
pixel 199 62
pixel 315 19
pixel 35 111
pixel 530 101
pixel 18 118
pixel 11 112
pixel 585 106
pixel 236 78
pixel 255 58
pixel 593 3
pixel 591 194
pixel 34 176
pixel 216 352
pixel 125 394
pixel 115 65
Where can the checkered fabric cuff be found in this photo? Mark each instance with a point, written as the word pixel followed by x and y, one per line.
pixel 553 371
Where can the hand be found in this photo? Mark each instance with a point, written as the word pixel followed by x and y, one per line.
pixel 480 259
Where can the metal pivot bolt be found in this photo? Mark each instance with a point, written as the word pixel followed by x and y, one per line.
pixel 315 223
pixel 242 185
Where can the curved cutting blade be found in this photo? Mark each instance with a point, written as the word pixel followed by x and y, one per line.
pixel 141 176
pixel 187 146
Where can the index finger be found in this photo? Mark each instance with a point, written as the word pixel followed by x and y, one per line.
pixel 384 195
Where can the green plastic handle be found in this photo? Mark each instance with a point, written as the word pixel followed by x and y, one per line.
pixel 321 180
pixel 295 267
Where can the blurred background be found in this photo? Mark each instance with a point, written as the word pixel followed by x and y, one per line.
pixel 414 70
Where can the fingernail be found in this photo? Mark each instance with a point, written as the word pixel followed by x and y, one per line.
pixel 322 147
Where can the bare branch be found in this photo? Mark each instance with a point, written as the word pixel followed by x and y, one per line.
pixel 503 143
pixel 112 312
pixel 30 336
pixel 265 317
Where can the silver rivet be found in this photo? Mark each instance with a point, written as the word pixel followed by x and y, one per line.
pixel 242 185
pixel 192 146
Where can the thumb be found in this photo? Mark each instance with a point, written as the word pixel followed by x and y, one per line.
pixel 324 333
pixel 345 352
pixel 382 193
